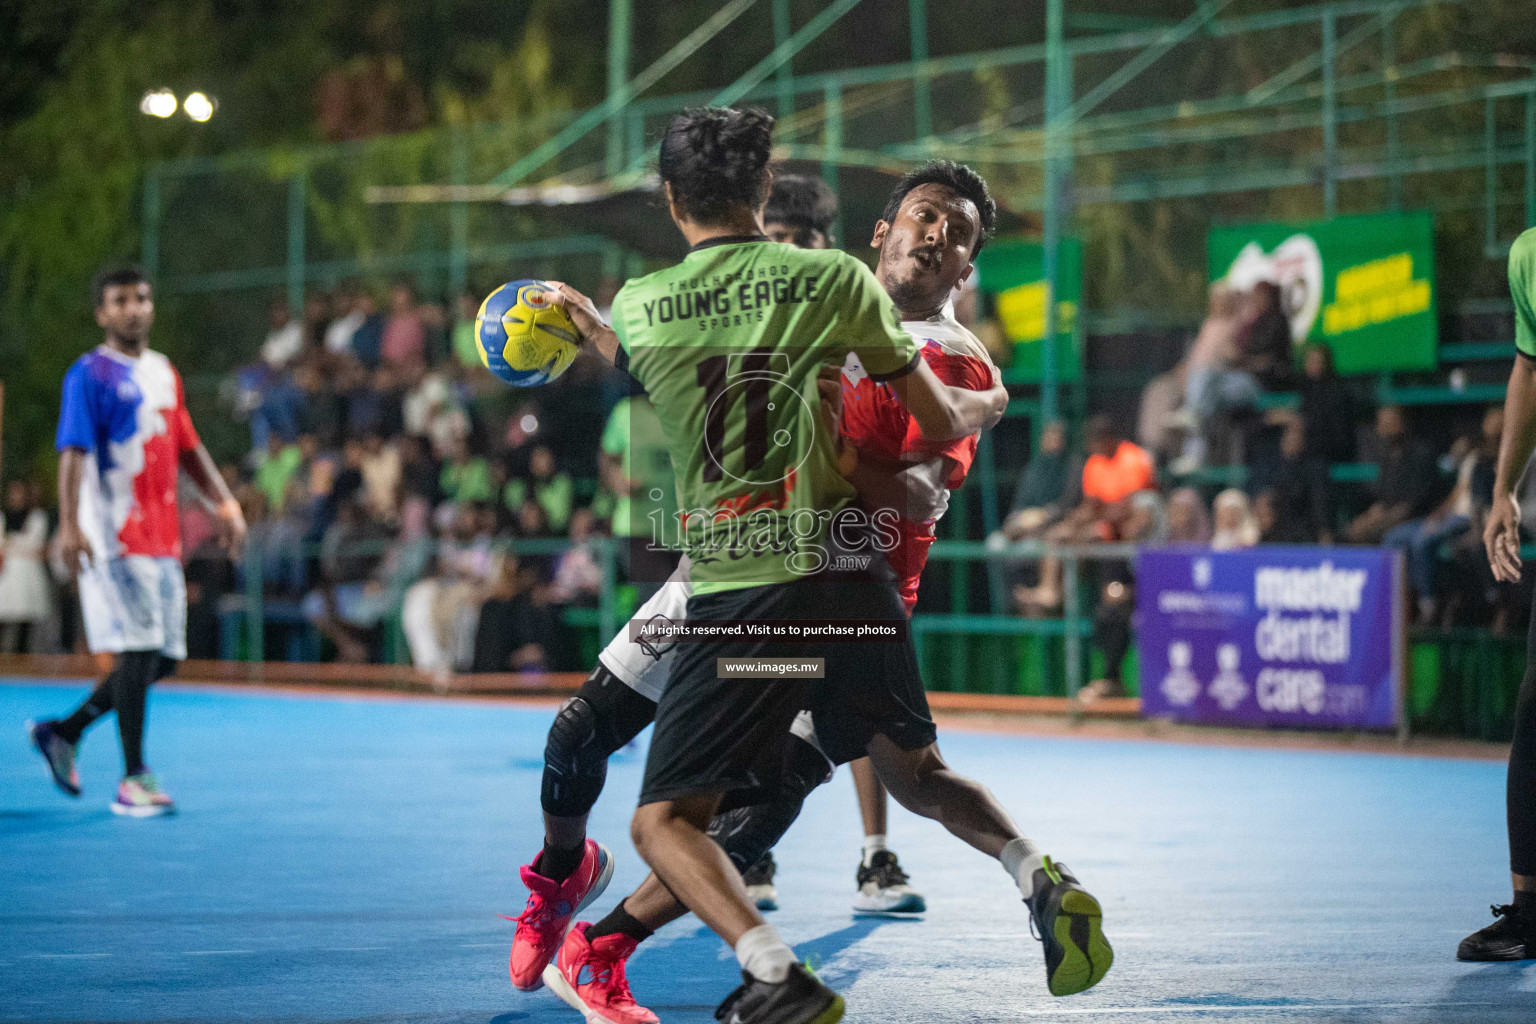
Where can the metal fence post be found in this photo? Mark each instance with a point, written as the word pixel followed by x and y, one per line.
pixel 255 611
pixel 298 187
pixel 1330 116
pixel 150 245
pixel 606 611
pixel 1072 645
pixel 833 146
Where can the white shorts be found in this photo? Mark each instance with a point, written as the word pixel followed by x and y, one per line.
pixel 135 603
pixel 644 667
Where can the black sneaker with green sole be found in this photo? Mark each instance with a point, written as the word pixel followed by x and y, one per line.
pixel 1077 955
pixel 800 998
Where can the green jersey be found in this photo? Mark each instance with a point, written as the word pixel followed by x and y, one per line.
pixel 1522 290
pixel 729 344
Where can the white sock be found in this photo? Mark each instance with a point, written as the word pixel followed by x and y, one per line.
pixel 764 955
pixel 872 846
pixel 1021 859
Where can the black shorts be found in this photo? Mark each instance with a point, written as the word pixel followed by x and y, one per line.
pixel 714 735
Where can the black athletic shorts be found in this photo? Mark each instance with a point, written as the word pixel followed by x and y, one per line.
pixel 714 735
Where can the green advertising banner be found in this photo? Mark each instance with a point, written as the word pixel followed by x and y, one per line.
pixel 1014 274
pixel 1364 285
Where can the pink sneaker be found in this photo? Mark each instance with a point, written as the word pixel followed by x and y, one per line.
pixel 604 998
pixel 551 907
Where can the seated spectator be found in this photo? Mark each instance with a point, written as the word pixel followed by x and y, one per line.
pixel 554 491
pixel 374 403
pixel 466 477
pixel 1156 417
pixel 380 467
pixel 278 466
pixel 578 576
pixel 1214 382
pixel 405 331
pixel 1406 486
pixel 349 613
pixel 1264 343
pixel 368 336
pixel 348 314
pixel 515 631
pixel 1188 522
pixel 1235 525
pixel 419 471
pixel 438 613
pixel 1046 490
pixel 1421 539
pixel 351 554
pixel 466 350
pixel 1114 471
pixel 1299 494
pixel 430 407
pixel 323 405
pixel 26 595
pixel 285 341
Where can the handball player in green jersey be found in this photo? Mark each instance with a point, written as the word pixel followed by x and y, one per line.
pixel 1513 935
pixel 730 344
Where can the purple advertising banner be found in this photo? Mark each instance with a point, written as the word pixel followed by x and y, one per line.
pixel 1272 636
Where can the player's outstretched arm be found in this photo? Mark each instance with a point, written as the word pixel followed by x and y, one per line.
pixel 944 412
pixel 1501 537
pixel 583 313
pixel 210 482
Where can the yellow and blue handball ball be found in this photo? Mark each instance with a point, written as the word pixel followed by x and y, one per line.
pixel 523 337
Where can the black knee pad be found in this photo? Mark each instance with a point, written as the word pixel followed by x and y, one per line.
pixel 575 764
pixel 751 824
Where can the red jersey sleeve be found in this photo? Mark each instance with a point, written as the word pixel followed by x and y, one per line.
pixel 961 372
pixel 181 421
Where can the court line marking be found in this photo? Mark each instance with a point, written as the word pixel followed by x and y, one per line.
pixel 70 956
pixel 215 952
pixel 1240 1008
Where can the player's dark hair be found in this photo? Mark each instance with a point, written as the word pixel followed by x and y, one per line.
pixel 960 180
pixel 801 201
pixel 716 158
pixel 106 277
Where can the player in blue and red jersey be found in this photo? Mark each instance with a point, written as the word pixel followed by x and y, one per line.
pixel 124 432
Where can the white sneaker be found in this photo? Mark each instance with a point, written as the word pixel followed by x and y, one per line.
pixel 883 888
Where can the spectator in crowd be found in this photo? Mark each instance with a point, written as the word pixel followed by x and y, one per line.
pixel 26 595
pixel 553 490
pixel 578 577
pixel 466 477
pixel 1299 495
pixel 1421 539
pixel 368 336
pixel 1115 470
pixel 350 613
pixel 516 629
pixel 1264 343
pixel 1406 487
pixel 1235 525
pixel 1157 415
pixel 285 341
pixel 1326 407
pixel 380 466
pixel 352 556
pixel 1188 522
pixel 438 611
pixel 1047 488
pixel 405 332
pixel 1215 381
pixel 348 315
pixel 420 474
pixel 637 471
pixel 466 350
pixel 276 469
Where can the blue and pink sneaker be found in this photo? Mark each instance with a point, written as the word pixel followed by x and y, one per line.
pixel 552 906
pixel 58 752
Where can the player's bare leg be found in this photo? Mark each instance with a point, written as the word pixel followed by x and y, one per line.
pixel 1077 956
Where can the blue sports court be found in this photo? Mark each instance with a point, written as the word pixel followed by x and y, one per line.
pixel 344 859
